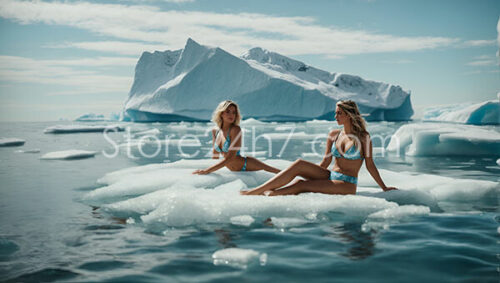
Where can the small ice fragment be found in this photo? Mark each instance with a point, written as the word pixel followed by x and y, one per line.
pixel 65 129
pixel 36 150
pixel 236 257
pixel 242 220
pixel 263 259
pixel 285 222
pixel 11 142
pixel 69 154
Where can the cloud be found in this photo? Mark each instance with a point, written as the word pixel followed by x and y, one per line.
pixel 400 61
pixel 69 73
pixel 233 32
pixel 179 1
pixel 116 47
pixel 491 62
pixel 477 43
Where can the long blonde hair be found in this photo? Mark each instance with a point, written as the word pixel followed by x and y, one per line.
pixel 217 115
pixel 358 123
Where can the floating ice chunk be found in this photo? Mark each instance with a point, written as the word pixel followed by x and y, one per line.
pixel 69 154
pixel 90 117
pixel 237 257
pixel 199 206
pixel 433 191
pixel 498 161
pixel 159 142
pixel 150 132
pixel 288 135
pixel 251 122
pixel 310 154
pixel 382 219
pixel 478 114
pixel 286 222
pixel 11 142
pixel 318 122
pixel 66 129
pixel 242 220
pixel 168 195
pixel 399 212
pixel 36 150
pixel 140 180
pixel 426 139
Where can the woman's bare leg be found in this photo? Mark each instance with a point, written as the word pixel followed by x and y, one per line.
pixel 254 164
pixel 301 168
pixel 316 186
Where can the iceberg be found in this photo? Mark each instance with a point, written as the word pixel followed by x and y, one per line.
pixel 428 139
pixel 188 84
pixel 11 142
pixel 484 113
pixel 69 129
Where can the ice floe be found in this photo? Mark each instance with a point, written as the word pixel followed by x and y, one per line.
pixel 483 113
pixel 69 154
pixel 36 150
pixel 90 117
pixel 382 219
pixel 168 195
pixel 65 129
pixel 427 139
pixel 11 142
pixel 242 220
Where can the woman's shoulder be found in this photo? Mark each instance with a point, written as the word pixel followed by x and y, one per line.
pixel 235 129
pixel 334 132
pixel 215 129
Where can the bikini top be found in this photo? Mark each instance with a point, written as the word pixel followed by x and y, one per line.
pixel 227 143
pixel 352 153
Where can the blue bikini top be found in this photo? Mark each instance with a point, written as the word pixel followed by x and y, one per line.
pixel 352 153
pixel 227 143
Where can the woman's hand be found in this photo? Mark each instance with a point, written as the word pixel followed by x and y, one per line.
pixel 389 189
pixel 201 172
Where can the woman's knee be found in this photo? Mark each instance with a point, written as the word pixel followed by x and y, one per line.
pixel 299 162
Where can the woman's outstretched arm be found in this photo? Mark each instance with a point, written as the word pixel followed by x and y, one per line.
pixel 370 165
pixel 235 145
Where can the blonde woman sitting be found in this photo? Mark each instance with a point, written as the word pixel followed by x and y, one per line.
pixel 226 140
pixel 350 147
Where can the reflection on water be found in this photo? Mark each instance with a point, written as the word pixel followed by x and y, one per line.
pixel 360 245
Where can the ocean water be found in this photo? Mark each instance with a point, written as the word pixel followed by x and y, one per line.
pixel 158 223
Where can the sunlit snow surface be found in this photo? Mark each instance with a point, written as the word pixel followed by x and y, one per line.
pixel 168 195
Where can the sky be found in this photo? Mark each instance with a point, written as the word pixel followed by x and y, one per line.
pixel 62 59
